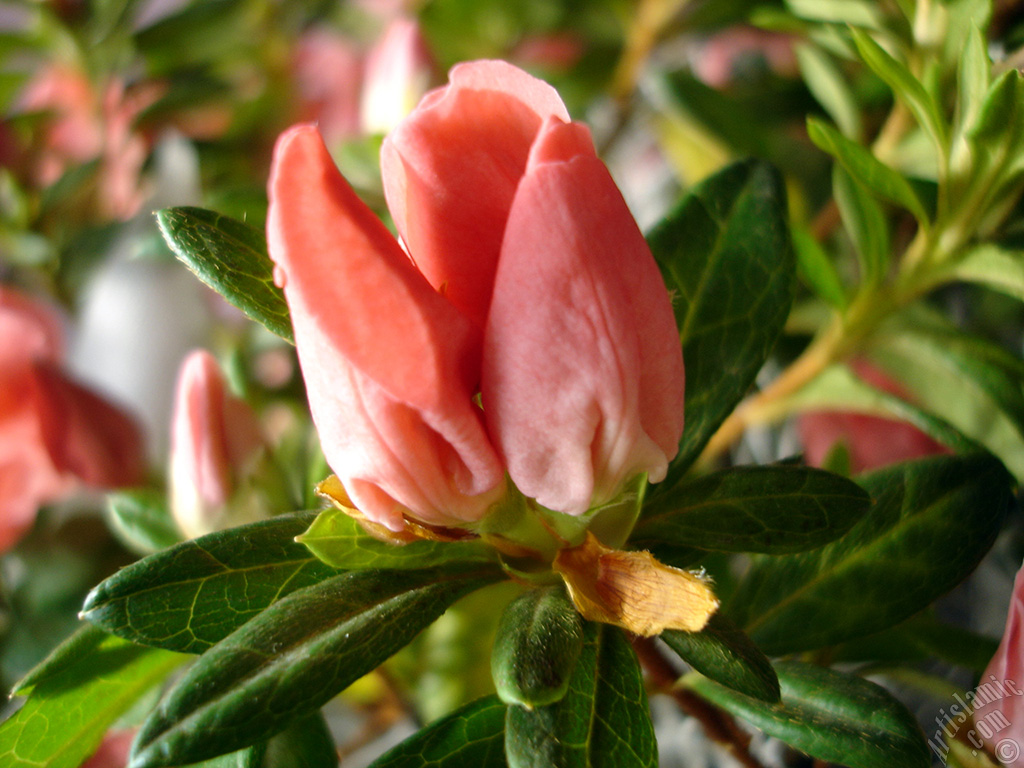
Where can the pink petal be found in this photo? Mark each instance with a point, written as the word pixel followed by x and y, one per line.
pixel 872 441
pixel 1001 688
pixel 213 437
pixel 29 330
pixel 86 435
pixel 583 371
pixel 390 367
pixel 451 170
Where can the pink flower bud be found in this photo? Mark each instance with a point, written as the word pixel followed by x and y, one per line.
pixel 1001 687
pixel 399 70
pixel 526 281
pixel 214 439
pixel 872 441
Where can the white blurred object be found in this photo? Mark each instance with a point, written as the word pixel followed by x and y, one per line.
pixel 138 318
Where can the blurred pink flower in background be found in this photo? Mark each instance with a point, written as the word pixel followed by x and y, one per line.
pixel 1005 672
pixel 720 61
pixel 872 441
pixel 215 438
pixel 529 283
pixel 85 122
pixel 328 71
pixel 399 70
pixel 350 93
pixel 113 751
pixel 55 435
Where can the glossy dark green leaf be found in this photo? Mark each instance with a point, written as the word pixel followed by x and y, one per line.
pixel 293 658
pixel 338 540
pixel 932 522
pixel 194 594
pixel 471 736
pixel 726 257
pixel 141 520
pixel 723 653
pixel 774 509
pixel 830 716
pixel 539 639
pixel 866 169
pixel 603 720
pixel 74 698
pixel 230 257
pixel 920 638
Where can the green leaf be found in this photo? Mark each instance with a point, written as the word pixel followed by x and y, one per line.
pixel 830 716
pixel 194 594
pixel 866 169
pixel 338 540
pixel 920 638
pixel 830 87
pixel 817 270
pixel 723 653
pixel 293 658
pixel 602 721
pixel 539 639
pixel 471 736
pixel 306 743
pixel 80 691
pixel 865 222
pixel 726 257
pixel 991 265
pixel 971 382
pixel 855 12
pixel 973 80
pixel 775 509
pixel 905 86
pixel 230 257
pixel 81 644
pixel 141 520
pixel 932 522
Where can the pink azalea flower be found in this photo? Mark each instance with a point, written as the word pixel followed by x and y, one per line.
pixel 399 70
pixel 526 283
pixel 214 438
pixel 55 434
pixel 872 441
pixel 1001 688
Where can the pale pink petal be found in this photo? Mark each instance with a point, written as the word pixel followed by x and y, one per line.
pixel 29 330
pixel 399 70
pixel 214 435
pixel 583 374
pixel 390 367
pixel 451 170
pixel 1001 687
pixel 86 435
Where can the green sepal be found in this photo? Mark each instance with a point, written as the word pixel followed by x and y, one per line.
pixel 722 652
pixel 830 716
pixel 339 541
pixel 773 509
pixel 294 657
pixel 932 522
pixel 473 735
pixel 539 639
pixel 230 257
pixel 726 257
pixel 192 595
pixel 603 720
